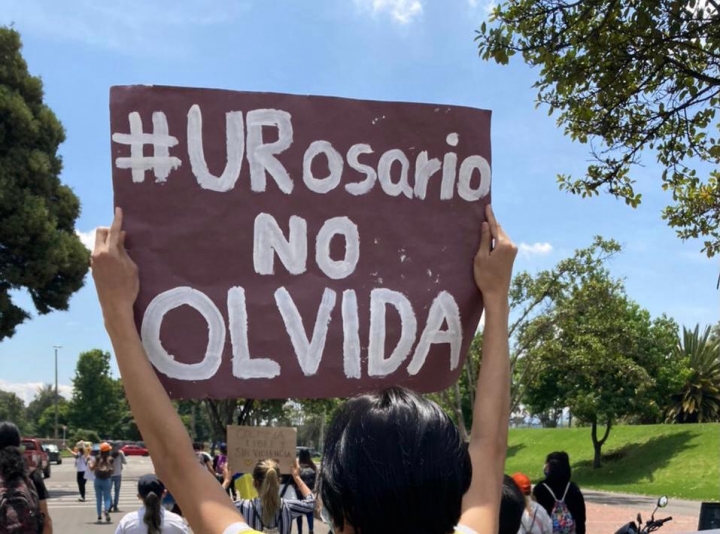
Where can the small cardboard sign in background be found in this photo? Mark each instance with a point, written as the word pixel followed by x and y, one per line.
pixel 247 445
pixel 382 201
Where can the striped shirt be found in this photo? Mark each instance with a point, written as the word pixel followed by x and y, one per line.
pixel 251 510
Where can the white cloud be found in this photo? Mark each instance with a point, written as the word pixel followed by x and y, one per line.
pixel 154 28
pixel 87 238
pixel 486 5
pixel 534 249
pixel 27 391
pixel 401 11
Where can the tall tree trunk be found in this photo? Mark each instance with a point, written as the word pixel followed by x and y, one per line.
pixel 598 443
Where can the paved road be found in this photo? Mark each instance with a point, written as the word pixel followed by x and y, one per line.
pixel 606 511
pixel 72 517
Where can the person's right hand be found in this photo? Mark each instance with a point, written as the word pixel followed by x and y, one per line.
pixel 494 261
pixel 114 272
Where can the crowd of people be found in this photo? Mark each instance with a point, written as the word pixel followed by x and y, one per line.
pixel 393 460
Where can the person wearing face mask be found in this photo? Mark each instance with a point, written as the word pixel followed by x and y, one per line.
pixel 561 498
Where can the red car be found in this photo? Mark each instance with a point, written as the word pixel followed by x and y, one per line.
pixel 134 450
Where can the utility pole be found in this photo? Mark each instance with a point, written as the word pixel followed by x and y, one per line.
pixel 56 347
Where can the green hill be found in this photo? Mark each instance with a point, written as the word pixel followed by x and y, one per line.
pixel 680 461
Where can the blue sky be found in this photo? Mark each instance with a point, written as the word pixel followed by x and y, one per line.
pixel 409 50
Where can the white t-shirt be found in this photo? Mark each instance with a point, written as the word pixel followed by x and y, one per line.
pixel 536 520
pixel 80 463
pixel 132 523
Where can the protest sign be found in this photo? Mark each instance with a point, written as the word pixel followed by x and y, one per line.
pixel 300 246
pixel 247 445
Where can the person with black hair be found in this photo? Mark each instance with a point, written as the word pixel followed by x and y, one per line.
pixel 393 461
pixel 308 474
pixel 512 506
pixel 557 488
pixel 101 468
pixel 25 495
pixel 152 518
pixel 119 461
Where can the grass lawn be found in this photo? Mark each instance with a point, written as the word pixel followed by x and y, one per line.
pixel 680 461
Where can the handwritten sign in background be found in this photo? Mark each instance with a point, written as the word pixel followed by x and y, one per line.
pixel 294 246
pixel 247 445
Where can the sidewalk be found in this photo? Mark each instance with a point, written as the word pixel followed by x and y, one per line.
pixel 607 512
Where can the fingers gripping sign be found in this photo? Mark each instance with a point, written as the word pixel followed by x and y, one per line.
pixel 494 259
pixel 114 272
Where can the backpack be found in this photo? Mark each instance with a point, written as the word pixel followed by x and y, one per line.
pixel 562 519
pixel 20 507
pixel 103 468
pixel 273 530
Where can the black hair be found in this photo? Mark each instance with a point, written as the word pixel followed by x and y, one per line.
pixel 197 446
pixel 512 506
pixel 152 517
pixel 558 467
pixel 394 462
pixel 305 459
pixel 12 461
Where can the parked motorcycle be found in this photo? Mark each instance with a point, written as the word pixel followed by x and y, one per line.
pixel 650 526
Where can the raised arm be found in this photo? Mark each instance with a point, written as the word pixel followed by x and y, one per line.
pixel 488 439
pixel 202 500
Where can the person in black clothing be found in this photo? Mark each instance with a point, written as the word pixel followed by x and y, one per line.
pixel 13 467
pixel 557 479
pixel 308 474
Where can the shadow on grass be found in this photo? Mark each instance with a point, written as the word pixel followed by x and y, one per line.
pixel 634 462
pixel 512 450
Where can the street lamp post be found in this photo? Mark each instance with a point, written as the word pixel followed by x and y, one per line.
pixel 56 347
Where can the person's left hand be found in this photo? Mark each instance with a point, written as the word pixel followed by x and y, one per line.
pixel 114 272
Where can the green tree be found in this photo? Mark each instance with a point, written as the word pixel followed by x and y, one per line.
pixel 95 403
pixel 533 300
pixel 39 250
pixel 44 398
pixel 593 358
pixel 628 78
pixel 45 425
pixel 12 408
pixel 697 400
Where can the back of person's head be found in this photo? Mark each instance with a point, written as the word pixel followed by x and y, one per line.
pixel 267 479
pixel 223 448
pixel 151 490
pixel 12 462
pixel 394 462
pixel 523 482
pixel 304 458
pixel 198 446
pixel 558 467
pixel 512 506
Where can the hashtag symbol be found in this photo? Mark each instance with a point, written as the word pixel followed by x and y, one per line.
pixel 161 163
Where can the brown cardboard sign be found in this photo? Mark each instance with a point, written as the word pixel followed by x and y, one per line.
pixel 300 246
pixel 247 445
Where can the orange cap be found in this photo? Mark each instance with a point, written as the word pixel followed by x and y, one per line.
pixel 523 482
pixel 105 447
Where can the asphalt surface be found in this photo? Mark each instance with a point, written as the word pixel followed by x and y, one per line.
pixel 606 511
pixel 72 517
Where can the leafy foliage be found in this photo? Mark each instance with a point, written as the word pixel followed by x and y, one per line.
pixel 97 398
pixel 698 398
pixel 39 250
pixel 12 408
pixel 628 78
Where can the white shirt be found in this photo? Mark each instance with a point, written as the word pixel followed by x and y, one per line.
pixel 132 523
pixel 542 523
pixel 80 463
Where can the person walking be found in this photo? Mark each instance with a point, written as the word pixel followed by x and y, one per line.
pixel 561 497
pixel 24 496
pixel 535 519
pixel 308 474
pixel 151 518
pixel 102 469
pixel 119 461
pixel 81 459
